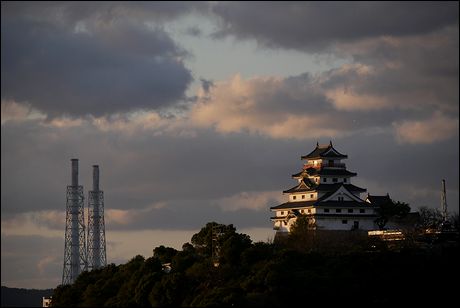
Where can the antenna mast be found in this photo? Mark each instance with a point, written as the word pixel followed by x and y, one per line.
pixel 97 256
pixel 443 201
pixel 75 260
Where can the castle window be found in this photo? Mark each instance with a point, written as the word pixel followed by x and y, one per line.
pixel 301 211
pixel 350 210
pixel 338 210
pixel 311 196
pixel 309 211
pixel 294 197
pixel 326 210
pixel 340 198
pixel 282 213
pixel 362 210
pixel 303 196
pixel 334 180
pixel 344 221
pixel 344 180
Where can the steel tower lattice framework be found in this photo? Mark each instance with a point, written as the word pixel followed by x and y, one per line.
pixel 97 256
pixel 75 260
pixel 443 201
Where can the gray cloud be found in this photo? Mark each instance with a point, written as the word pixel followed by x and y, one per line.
pixel 31 261
pixel 93 70
pixel 69 13
pixel 393 108
pixel 189 175
pixel 316 25
pixel 162 170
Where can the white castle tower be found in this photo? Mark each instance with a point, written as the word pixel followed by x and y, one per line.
pixel 325 194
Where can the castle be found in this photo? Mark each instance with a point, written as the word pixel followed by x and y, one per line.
pixel 325 194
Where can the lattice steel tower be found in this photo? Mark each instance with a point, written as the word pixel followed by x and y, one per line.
pixel 75 260
pixel 97 257
pixel 443 201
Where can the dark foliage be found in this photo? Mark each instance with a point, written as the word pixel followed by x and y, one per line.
pixel 391 209
pixel 322 270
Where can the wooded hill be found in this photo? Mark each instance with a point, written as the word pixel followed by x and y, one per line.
pixel 279 274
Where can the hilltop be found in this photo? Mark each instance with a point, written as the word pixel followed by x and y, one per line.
pixel 232 271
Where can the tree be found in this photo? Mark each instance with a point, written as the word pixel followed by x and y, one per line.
pixel 454 221
pixel 389 209
pixel 203 240
pixel 233 247
pixel 302 234
pixel 429 218
pixel 302 225
pixel 164 254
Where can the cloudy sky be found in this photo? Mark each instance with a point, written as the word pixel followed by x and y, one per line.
pixel 199 112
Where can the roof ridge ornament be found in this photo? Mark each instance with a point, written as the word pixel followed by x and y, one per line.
pixel 330 142
pixel 317 144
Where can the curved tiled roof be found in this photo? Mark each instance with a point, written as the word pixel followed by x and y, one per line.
pixel 304 185
pixel 313 172
pixel 334 187
pixel 321 204
pixel 378 200
pixel 323 152
pixel 301 173
pixel 293 205
pixel 341 204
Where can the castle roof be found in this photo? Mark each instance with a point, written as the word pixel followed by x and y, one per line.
pixel 294 205
pixel 378 200
pixel 324 151
pixel 323 171
pixel 330 203
pixel 318 203
pixel 334 187
pixel 304 185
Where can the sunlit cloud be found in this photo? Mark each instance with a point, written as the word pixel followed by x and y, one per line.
pixel 437 128
pixel 13 111
pixel 115 84
pixel 346 99
pixel 254 200
pixel 123 217
pixel 269 106
pixel 44 262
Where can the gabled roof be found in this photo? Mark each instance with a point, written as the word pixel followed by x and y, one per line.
pixel 304 185
pixel 334 187
pixel 303 173
pixel 322 151
pixel 343 204
pixel 340 191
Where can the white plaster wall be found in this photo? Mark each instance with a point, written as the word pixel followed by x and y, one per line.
pixel 281 213
pixel 308 197
pixel 365 223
